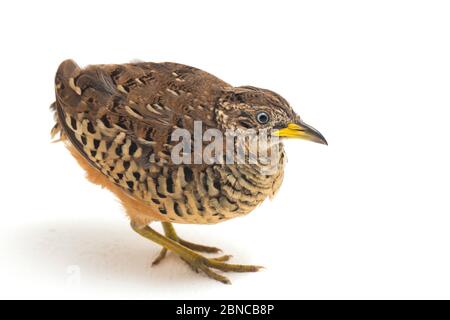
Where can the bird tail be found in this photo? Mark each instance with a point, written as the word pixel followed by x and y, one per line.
pixel 56 132
pixel 67 93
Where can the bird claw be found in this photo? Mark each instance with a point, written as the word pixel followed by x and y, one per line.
pixel 206 265
pixel 222 258
pixel 162 254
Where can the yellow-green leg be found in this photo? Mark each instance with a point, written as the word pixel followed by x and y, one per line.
pixel 170 233
pixel 171 242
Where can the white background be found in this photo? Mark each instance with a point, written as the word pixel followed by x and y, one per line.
pixel 366 217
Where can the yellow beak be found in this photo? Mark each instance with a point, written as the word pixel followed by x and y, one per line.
pixel 301 130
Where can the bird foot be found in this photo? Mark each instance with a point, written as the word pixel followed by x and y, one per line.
pixel 186 251
pixel 200 263
pixel 171 234
pixel 192 246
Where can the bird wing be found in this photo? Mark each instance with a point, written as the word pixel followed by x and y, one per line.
pixel 120 117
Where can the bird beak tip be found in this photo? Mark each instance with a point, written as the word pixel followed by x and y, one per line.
pixel 301 130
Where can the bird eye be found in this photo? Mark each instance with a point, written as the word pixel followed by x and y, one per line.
pixel 262 117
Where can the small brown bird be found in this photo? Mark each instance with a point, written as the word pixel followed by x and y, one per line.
pixel 118 121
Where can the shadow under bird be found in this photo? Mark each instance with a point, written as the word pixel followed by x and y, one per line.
pixel 117 121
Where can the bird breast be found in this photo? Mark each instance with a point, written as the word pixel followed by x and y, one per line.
pixel 195 194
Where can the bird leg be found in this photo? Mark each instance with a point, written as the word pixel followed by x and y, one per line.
pixel 170 233
pixel 196 261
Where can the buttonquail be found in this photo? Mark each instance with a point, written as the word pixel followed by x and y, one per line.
pixel 118 120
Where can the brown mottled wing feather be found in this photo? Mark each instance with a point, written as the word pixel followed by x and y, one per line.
pixel 120 116
pixel 146 101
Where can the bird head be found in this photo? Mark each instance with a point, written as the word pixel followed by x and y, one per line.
pixel 255 108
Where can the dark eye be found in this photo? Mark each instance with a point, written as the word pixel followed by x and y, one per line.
pixel 262 117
